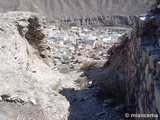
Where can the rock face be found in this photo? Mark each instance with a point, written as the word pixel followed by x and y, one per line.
pixel 25 70
pixel 81 11
pixel 117 20
pixel 134 65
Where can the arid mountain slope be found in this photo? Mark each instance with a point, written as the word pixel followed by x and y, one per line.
pixel 76 8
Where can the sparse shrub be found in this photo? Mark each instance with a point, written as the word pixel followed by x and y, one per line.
pixel 64 70
pixel 83 81
pixel 86 65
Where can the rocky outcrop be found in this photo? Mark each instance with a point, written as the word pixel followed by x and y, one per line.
pixel 25 70
pixel 141 69
pixel 34 33
pixel 116 20
pixel 132 70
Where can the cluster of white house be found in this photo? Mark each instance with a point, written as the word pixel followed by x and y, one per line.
pixel 82 42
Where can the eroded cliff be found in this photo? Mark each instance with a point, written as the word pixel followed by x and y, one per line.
pixel 26 77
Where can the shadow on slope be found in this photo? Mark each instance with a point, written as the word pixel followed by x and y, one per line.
pixel 87 103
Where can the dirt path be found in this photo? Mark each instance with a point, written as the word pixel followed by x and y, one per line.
pixel 84 104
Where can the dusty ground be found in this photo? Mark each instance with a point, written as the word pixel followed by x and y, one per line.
pixel 83 103
pixel 12 111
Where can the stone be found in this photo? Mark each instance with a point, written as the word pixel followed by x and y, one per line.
pixel 17 99
pixel 65 59
pixel 109 103
pixel 13 98
pixel 101 114
pixel 33 101
pixel 90 82
pixel 146 70
pixel 1 99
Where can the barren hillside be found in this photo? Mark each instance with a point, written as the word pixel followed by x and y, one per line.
pixel 76 8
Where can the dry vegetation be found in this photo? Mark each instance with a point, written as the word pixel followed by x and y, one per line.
pixel 86 65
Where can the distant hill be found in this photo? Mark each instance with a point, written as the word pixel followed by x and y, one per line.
pixel 59 9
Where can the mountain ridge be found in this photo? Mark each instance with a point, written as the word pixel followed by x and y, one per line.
pixel 58 9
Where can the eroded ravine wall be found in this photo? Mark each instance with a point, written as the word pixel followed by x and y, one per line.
pixel 135 64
